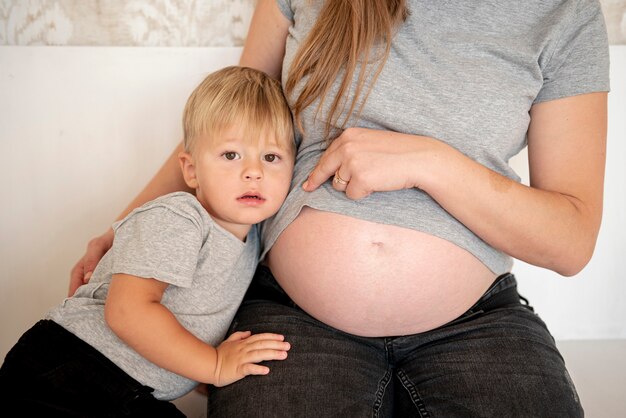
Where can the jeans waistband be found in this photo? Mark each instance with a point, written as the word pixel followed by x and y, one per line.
pixel 265 287
pixel 502 292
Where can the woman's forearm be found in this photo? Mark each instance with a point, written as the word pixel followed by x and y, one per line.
pixel 545 228
pixel 554 223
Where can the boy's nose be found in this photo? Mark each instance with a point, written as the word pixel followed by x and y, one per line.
pixel 253 172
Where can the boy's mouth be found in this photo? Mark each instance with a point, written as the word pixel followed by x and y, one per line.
pixel 251 198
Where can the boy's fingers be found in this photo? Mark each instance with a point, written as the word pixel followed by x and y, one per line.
pixel 258 356
pixel 256 369
pixel 267 336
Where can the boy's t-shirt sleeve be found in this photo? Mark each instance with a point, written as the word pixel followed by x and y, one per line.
pixel 157 243
pixel 577 62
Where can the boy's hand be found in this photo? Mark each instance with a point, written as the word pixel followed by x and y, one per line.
pixel 238 355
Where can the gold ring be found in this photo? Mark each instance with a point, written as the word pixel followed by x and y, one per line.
pixel 338 179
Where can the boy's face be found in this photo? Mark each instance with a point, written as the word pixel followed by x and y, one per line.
pixel 239 181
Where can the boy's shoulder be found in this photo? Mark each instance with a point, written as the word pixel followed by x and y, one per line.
pixel 182 200
pixel 182 204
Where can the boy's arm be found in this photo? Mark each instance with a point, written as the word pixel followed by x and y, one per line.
pixel 134 312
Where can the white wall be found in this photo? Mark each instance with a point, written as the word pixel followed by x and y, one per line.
pixel 82 129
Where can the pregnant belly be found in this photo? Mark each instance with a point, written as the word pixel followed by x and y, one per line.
pixel 372 279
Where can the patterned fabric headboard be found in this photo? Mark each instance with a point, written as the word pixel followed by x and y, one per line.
pixel 161 22
pixel 125 23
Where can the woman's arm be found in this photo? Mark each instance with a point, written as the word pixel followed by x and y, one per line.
pixel 554 223
pixel 264 49
pixel 134 312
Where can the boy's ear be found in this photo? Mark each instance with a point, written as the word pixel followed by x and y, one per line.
pixel 188 169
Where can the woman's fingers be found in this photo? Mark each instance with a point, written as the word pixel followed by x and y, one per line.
pixel 325 168
pixel 361 161
pixel 339 182
pixel 82 270
pixel 338 162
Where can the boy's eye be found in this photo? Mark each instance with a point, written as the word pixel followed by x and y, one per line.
pixel 231 155
pixel 270 158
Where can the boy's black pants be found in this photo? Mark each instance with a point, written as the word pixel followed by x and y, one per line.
pixel 51 372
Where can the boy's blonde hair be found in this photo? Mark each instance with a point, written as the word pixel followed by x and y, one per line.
pixel 238 95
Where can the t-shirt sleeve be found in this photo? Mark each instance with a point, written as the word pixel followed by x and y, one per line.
pixel 285 8
pixel 579 61
pixel 157 243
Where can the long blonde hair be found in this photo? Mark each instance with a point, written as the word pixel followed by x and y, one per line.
pixel 344 34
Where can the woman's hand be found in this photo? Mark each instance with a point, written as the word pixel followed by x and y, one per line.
pixel 97 247
pixel 364 161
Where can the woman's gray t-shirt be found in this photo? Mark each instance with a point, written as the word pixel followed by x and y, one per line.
pixel 172 239
pixel 466 73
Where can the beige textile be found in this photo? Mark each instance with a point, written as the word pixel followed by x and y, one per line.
pixel 615 17
pixel 160 22
pixel 124 22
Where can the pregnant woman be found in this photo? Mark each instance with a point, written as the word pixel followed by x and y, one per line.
pixel 388 268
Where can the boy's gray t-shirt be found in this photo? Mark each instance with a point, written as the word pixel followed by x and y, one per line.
pixel 466 73
pixel 174 240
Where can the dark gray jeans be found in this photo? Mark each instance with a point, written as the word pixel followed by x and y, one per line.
pixel 496 360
